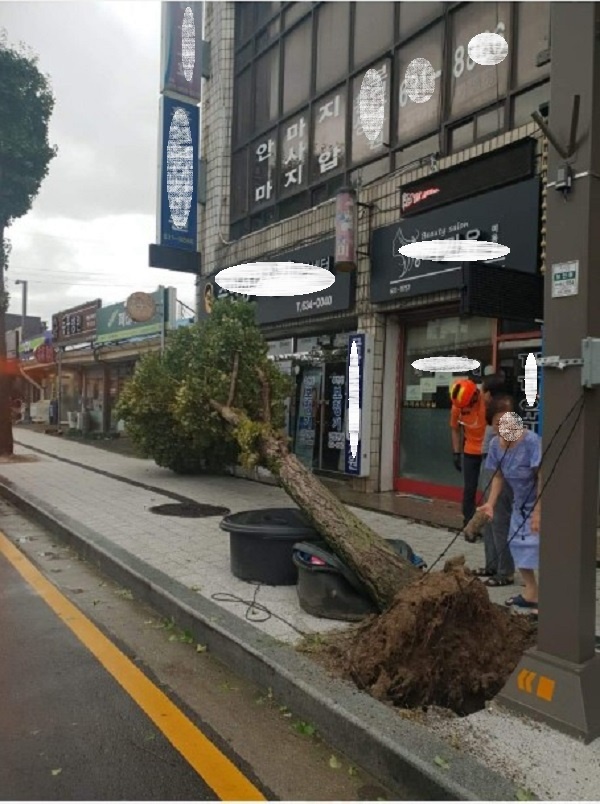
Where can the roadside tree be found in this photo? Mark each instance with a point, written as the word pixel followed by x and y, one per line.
pixel 26 104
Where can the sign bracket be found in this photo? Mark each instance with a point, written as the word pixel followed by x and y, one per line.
pixel 590 362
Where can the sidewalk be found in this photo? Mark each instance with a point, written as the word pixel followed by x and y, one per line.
pixel 89 492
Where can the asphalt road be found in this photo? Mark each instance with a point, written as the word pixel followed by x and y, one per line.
pixel 69 731
pixel 102 699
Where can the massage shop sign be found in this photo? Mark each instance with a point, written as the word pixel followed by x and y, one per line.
pixel 113 323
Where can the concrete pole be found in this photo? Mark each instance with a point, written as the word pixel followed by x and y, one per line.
pixel 559 680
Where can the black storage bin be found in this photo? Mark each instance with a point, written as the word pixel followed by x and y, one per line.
pixel 262 544
pixel 331 590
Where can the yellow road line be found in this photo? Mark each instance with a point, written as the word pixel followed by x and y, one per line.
pixel 219 773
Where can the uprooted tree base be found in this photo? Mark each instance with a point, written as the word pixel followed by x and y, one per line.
pixel 442 643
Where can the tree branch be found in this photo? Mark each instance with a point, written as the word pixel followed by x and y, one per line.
pixel 227 413
pixel 266 396
pixel 234 376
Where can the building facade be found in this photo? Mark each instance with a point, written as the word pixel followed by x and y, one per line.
pixel 281 135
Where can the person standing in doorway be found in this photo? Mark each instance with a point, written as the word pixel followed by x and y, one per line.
pixel 468 415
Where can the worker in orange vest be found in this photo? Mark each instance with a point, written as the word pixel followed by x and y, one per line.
pixel 467 414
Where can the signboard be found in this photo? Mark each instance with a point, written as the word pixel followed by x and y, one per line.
pixel 565 279
pixel 177 213
pixel 273 309
pixel 45 353
pixel 293 173
pixel 264 162
pixel 140 307
pixel 306 422
pixel 181 49
pixel 115 324
pixel 359 465
pixel 329 136
pixel 482 174
pixel 362 147
pixel 509 216
pixel 345 230
pixel 77 324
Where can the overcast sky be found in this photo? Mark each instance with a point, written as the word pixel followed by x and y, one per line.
pixel 87 234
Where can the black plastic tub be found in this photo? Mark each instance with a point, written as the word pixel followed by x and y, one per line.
pixel 262 544
pixel 329 589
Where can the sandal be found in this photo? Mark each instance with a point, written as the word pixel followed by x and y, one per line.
pixel 519 600
pixel 482 572
pixel 499 580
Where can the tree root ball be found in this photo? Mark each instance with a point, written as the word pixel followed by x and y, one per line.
pixel 442 642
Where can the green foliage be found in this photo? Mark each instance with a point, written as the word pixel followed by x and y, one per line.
pixel 167 405
pixel 26 105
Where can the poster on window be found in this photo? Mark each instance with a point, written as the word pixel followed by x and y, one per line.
pixel 329 136
pixel 293 139
pixel 474 85
pixel 264 158
pixel 418 119
pixel 362 147
pixel 306 422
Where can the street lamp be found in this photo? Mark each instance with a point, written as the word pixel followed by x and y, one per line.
pixel 24 305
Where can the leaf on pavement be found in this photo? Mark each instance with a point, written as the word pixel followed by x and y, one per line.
pixel 525 795
pixel 334 762
pixel 56 771
pixel 442 763
pixel 200 648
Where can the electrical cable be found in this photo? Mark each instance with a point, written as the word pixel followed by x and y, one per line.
pixel 254 607
pixel 544 454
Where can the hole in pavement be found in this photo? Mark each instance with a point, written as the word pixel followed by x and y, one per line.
pixel 189 510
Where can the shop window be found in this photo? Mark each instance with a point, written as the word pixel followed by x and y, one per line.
pixel 244 21
pixel 528 102
pixel 371 172
pixel 472 85
pixel 267 36
pixel 266 89
pixel 239 183
pixel 533 42
pixel 414 16
pixel 265 11
pixel 293 144
pixel 462 137
pixel 296 12
pixel 263 165
pixel 420 150
pixel 244 56
pixel 297 66
pixel 333 33
pixel 417 119
pixel 363 148
pixel 490 123
pixel 329 135
pixel 373 27
pixel 425 444
pixel 242 107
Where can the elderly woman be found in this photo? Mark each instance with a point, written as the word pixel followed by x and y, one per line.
pixel 515 455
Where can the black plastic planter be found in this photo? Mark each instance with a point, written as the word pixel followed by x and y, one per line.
pixel 262 544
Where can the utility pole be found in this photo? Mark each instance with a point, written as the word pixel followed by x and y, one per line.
pixel 23 282
pixel 559 680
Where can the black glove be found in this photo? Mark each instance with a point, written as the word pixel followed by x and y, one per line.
pixel 457 460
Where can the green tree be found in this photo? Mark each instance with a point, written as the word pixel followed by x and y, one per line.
pixel 230 379
pixel 26 104
pixel 148 406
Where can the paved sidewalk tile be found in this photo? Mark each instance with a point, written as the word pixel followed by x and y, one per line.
pixel 195 551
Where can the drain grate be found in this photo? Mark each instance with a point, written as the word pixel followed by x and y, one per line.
pixel 189 510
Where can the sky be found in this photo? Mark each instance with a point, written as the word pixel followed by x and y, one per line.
pixel 87 234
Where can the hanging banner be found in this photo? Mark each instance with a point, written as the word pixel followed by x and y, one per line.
pixel 345 230
pixel 306 423
pixel 359 465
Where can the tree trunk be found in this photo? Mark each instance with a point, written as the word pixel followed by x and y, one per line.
pixel 383 572
pixel 6 435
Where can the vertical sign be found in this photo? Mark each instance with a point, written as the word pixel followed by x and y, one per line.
pixel 264 160
pixel 293 148
pixel 177 216
pixel 345 230
pixel 181 51
pixel 307 416
pixel 329 127
pixel 359 465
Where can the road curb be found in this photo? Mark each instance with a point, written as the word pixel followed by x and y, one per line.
pixel 400 753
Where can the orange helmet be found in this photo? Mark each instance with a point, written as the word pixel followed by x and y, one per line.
pixel 463 393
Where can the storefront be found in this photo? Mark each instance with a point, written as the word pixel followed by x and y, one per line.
pixel 308 339
pixel 433 320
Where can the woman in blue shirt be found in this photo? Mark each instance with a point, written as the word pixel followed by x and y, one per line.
pixel 515 455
